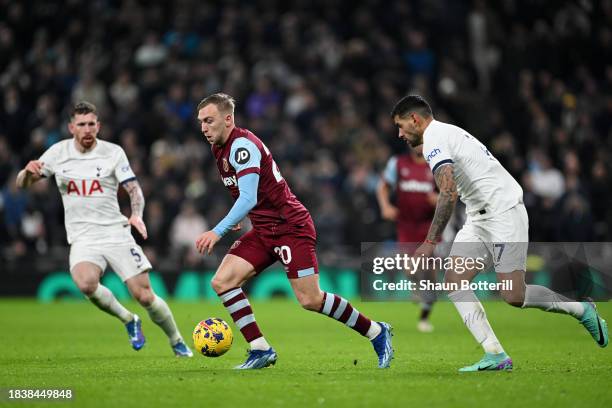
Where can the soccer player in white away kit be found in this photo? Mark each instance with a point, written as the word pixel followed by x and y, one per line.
pixel 496 227
pixel 87 172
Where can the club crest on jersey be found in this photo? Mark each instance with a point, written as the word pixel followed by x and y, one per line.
pixel 242 155
pixel 83 187
pixel 225 165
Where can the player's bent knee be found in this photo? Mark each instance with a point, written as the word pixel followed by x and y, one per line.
pixel 513 298
pixel 87 288
pixel 452 277
pixel 85 285
pixel 221 285
pixel 144 296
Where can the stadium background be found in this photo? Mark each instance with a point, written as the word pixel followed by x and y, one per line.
pixel 315 80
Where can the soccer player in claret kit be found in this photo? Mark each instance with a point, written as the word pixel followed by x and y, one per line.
pixel 408 177
pixel 282 230
pixel 496 228
pixel 88 172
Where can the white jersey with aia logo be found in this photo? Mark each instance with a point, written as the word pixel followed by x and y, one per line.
pixel 88 183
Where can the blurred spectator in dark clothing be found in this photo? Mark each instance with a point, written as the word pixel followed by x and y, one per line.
pixel 532 79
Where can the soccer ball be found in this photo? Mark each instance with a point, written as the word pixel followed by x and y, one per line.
pixel 212 337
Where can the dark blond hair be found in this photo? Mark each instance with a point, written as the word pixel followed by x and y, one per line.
pixel 224 102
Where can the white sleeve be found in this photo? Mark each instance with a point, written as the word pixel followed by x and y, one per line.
pixel 49 159
pixel 436 151
pixel 123 171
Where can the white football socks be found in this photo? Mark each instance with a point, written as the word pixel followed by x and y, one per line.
pixel 259 343
pixel 374 330
pixel 540 297
pixel 161 315
pixel 475 318
pixel 106 301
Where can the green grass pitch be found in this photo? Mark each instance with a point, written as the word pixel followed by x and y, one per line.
pixel 321 362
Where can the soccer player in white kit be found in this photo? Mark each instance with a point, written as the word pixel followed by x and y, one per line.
pixel 88 172
pixel 496 227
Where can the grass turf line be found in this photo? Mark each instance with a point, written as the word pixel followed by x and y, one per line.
pixel 321 362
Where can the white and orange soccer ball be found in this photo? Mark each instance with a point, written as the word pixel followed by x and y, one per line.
pixel 212 337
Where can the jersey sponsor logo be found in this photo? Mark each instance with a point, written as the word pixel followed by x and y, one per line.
pixel 225 165
pixel 98 170
pixel 235 244
pixel 415 186
pixel 86 188
pixel 230 181
pixel 432 154
pixel 242 155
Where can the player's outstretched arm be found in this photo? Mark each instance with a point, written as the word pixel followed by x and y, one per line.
pixel 137 203
pixel 30 174
pixel 246 201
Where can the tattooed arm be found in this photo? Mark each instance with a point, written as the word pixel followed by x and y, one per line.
pixel 444 208
pixel 136 197
pixel 137 203
pixel 446 201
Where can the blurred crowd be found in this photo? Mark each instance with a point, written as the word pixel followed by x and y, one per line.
pixel 315 80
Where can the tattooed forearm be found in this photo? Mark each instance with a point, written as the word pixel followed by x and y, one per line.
pixel 136 197
pixel 446 201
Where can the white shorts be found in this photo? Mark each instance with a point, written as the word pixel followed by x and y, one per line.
pixel 126 259
pixel 501 240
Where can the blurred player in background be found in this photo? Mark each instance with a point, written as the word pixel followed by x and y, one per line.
pixel 496 227
pixel 409 179
pixel 282 231
pixel 88 172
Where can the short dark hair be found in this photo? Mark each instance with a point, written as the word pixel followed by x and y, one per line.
pixel 224 102
pixel 83 108
pixel 412 103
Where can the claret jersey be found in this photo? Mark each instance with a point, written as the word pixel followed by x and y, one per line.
pixel 413 183
pixel 244 153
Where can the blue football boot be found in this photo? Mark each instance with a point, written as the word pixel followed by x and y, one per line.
pixel 382 345
pixel 181 350
pixel 258 359
pixel 134 329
